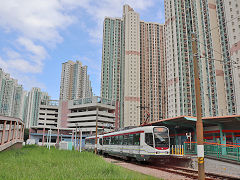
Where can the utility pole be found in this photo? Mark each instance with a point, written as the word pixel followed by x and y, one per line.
pixel 199 124
pixel 96 131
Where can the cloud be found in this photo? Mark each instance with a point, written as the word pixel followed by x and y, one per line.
pixel 29 82
pixel 36 50
pixel 36 20
pixel 98 10
pixel 28 59
pixel 36 26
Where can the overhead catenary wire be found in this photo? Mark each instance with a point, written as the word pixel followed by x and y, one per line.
pixel 216 51
pixel 219 25
pixel 216 28
pixel 221 61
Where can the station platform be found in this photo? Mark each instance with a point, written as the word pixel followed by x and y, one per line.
pixel 212 165
pixel 221 142
pixel 222 130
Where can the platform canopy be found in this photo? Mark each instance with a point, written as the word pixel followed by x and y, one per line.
pixel 181 121
pixel 232 121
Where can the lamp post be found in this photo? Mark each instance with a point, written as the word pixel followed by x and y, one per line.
pixel 80 139
pixel 75 145
pixel 50 136
pixel 199 124
pixel 96 131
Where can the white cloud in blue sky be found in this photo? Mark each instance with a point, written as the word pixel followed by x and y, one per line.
pixel 37 36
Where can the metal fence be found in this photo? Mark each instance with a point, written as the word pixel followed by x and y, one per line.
pixel 221 151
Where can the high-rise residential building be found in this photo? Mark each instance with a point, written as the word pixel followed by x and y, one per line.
pixel 152 71
pixel 133 55
pixel 34 98
pixel 228 13
pixel 131 78
pixel 75 81
pixel 183 19
pixel 17 101
pixel 11 95
pixel 112 63
pixel 8 96
pixel 24 105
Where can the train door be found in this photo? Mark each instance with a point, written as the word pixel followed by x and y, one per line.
pixel 136 143
pixel 121 144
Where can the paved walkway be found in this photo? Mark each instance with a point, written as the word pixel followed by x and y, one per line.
pixel 148 171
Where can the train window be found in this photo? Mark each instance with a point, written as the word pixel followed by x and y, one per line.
pixel 106 140
pixel 112 140
pixel 136 139
pixel 125 139
pixel 117 139
pixel 120 140
pixel 130 139
pixel 100 141
pixel 149 139
pixel 161 137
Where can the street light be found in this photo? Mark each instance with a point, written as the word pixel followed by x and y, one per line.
pixel 96 131
pixel 80 139
pixel 75 145
pixel 49 136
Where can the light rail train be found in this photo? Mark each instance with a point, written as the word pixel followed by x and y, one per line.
pixel 141 143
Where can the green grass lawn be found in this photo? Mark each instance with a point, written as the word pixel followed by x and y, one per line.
pixel 32 162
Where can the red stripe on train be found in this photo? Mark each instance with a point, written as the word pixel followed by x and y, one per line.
pixel 162 148
pixel 125 133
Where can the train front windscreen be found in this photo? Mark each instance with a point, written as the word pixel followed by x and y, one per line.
pixel 161 138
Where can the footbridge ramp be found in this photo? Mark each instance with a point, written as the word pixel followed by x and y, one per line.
pixel 11 132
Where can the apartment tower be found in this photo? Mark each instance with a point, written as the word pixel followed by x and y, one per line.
pixel 75 81
pixel 152 70
pixel 132 57
pixel 35 96
pixel 11 96
pixel 184 18
pixel 228 13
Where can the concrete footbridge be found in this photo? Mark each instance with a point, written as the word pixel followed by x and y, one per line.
pixel 11 132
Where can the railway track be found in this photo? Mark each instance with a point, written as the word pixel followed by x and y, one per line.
pixel 186 172
pixel 191 173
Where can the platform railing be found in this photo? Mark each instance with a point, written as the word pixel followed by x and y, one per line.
pixel 221 151
pixel 11 131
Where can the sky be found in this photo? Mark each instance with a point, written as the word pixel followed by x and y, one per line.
pixel 37 36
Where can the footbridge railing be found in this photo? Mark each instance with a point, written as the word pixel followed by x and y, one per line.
pixel 11 131
pixel 221 151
